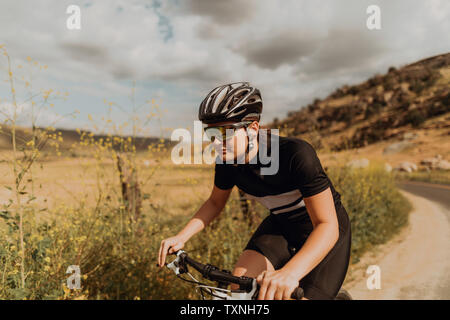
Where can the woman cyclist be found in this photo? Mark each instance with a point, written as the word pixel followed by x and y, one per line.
pixel 306 238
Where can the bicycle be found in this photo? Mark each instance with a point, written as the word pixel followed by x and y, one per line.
pixel 248 287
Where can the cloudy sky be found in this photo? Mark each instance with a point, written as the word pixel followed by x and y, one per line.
pixel 178 50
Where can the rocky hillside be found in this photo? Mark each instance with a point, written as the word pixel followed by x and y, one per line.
pixel 416 96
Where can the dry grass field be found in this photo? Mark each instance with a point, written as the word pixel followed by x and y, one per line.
pixel 67 180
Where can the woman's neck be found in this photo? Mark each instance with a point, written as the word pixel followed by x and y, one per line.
pixel 252 155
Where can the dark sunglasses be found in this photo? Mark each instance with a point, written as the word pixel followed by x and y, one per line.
pixel 219 132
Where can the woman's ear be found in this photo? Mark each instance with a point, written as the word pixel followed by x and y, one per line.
pixel 252 130
pixel 254 125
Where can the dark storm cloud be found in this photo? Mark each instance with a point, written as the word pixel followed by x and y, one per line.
pixel 98 58
pixel 86 52
pixel 193 74
pixel 344 50
pixel 230 12
pixel 122 72
pixel 277 49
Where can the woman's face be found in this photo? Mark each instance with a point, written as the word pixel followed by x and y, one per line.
pixel 235 147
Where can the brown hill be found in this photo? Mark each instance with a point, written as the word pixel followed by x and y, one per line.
pixel 383 107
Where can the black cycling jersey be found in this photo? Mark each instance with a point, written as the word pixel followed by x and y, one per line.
pixel 285 230
pixel 300 174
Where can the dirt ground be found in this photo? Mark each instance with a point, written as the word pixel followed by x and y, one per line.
pixel 415 264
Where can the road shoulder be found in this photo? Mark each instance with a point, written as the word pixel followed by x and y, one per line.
pixel 415 263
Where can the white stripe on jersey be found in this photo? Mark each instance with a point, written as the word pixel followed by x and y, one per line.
pixel 274 201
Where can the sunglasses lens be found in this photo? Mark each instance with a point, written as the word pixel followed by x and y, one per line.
pixel 220 133
pixel 214 133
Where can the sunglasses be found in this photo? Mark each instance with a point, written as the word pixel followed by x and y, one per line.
pixel 220 132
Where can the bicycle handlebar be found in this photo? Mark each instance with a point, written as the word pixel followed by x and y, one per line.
pixel 213 273
pixel 223 276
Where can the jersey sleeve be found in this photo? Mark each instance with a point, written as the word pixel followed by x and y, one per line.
pixel 307 171
pixel 224 176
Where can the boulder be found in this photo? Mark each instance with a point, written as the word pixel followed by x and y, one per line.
pixel 387 96
pixel 397 147
pixel 436 163
pixel 443 165
pixel 387 167
pixel 410 136
pixel 404 86
pixel 379 89
pixel 358 163
pixel 406 166
pixel 429 162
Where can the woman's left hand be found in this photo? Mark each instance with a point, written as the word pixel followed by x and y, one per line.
pixel 276 285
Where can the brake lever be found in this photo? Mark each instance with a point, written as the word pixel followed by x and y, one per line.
pixel 177 264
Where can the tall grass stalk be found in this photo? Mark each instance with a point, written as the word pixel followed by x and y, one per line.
pixel 17 175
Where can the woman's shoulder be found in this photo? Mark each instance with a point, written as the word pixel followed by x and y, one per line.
pixel 293 145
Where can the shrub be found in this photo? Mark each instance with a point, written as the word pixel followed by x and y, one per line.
pixel 376 208
pixel 372 109
pixel 117 258
pixel 417 86
pixel 415 118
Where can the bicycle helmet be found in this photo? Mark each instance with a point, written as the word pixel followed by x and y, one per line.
pixel 237 101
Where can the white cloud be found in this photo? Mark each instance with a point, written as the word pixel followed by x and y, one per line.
pixel 293 50
pixel 41 116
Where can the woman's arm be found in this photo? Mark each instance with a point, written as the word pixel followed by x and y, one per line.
pixel 322 212
pixel 207 212
pixel 279 284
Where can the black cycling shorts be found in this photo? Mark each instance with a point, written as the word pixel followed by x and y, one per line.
pixel 280 236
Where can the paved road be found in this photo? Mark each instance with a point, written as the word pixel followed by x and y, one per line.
pixel 434 192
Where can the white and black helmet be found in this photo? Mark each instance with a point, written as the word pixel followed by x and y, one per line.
pixel 237 101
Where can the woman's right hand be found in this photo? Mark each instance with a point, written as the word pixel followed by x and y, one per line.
pixel 169 245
